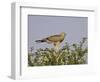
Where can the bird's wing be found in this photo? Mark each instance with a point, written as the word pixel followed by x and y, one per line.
pixel 54 38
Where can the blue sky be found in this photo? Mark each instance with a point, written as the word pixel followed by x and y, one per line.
pixel 43 26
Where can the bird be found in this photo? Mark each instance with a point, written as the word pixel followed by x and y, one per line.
pixel 56 40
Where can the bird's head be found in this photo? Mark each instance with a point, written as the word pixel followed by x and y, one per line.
pixel 63 34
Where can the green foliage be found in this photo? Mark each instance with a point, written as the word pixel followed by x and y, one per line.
pixel 67 55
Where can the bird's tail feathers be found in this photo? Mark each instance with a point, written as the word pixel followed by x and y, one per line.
pixel 39 41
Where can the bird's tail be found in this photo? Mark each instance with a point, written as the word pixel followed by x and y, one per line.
pixel 39 41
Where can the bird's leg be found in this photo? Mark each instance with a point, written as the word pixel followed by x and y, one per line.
pixel 57 46
pixel 56 52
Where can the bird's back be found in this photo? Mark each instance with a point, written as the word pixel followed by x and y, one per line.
pixel 55 38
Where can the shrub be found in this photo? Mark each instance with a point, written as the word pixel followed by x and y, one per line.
pixel 67 55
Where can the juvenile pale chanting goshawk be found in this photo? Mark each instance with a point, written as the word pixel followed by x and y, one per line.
pixel 54 39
